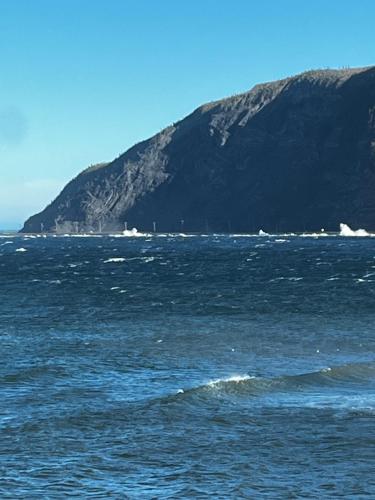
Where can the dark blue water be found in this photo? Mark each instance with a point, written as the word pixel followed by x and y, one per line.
pixel 201 367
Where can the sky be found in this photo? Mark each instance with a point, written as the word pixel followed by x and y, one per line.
pixel 83 80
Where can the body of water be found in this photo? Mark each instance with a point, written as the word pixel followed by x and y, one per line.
pixel 187 367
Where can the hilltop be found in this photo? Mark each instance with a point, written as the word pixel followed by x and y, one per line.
pixel 291 155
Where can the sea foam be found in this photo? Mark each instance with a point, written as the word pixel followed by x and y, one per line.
pixel 115 259
pixel 345 230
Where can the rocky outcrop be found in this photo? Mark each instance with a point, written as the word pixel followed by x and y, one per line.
pixel 291 155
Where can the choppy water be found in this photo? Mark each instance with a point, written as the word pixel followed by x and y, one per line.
pixel 202 367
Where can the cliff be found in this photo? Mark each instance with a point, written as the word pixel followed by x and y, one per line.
pixel 291 155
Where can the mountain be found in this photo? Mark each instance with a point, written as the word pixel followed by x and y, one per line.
pixel 291 155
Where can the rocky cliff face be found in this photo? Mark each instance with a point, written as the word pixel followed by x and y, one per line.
pixel 292 155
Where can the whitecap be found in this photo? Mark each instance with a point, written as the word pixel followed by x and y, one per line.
pixel 130 233
pixel 345 230
pixel 326 370
pixel 148 259
pixel 83 235
pixel 21 249
pixel 115 259
pixel 234 378
pixel 242 235
pixel 314 235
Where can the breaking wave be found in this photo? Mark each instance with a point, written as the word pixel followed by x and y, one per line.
pixel 354 376
pixel 115 259
pixel 345 230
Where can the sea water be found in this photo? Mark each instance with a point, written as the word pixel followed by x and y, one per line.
pixel 217 366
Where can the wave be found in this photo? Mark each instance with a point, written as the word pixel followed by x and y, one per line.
pixel 316 235
pixel 129 259
pixel 345 230
pixel 115 259
pixel 351 375
pixel 131 233
pixel 76 235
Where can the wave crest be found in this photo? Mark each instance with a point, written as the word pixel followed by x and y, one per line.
pixel 351 375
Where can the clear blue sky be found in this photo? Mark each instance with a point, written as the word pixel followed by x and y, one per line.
pixel 83 80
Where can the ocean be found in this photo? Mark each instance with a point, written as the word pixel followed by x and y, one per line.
pixel 175 366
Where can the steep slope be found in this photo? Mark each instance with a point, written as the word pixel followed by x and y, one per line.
pixel 295 154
